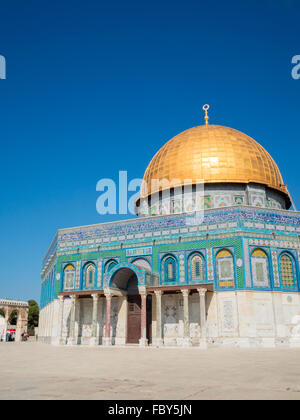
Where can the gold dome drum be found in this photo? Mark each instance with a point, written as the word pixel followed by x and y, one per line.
pixel 213 154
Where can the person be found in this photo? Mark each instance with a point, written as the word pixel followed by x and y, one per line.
pixel 8 336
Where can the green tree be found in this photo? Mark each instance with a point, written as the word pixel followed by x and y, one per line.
pixel 33 316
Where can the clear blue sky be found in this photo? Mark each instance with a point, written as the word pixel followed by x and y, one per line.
pixel 96 87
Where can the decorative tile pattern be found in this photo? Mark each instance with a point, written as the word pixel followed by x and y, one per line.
pixel 138 251
pixel 205 202
pixel 78 267
pixel 223 200
pixel 235 227
pixel 275 269
pixel 209 262
pixel 238 199
pixel 257 200
pixel 99 272
pixel 287 271
pixel 246 263
pixel 181 267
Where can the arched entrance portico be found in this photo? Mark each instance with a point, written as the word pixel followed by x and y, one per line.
pixel 15 315
pixel 125 279
pixel 139 306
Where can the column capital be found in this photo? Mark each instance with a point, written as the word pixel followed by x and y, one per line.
pixel 202 291
pixel 95 296
pixel 158 292
pixel 142 291
pixel 108 295
pixel 61 298
pixel 185 292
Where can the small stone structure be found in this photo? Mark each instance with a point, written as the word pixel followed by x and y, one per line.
pixel 8 307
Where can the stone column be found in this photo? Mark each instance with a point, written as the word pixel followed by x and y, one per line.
pixel 203 338
pixel 93 340
pixel 186 318
pixel 77 319
pixel 159 339
pixel 107 338
pixel 61 340
pixel 6 324
pixel 143 340
pixel 72 338
pixel 18 327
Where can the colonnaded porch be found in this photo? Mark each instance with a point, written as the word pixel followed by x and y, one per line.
pixel 141 303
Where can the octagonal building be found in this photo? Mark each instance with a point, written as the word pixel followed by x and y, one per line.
pixel 212 258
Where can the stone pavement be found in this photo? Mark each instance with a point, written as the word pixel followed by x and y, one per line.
pixel 39 371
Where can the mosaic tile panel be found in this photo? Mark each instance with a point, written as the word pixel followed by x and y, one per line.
pixel 181 257
pixel 77 282
pixel 99 272
pixel 275 269
pixel 222 200
pixel 210 267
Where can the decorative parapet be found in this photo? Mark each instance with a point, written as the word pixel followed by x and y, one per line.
pixel 9 302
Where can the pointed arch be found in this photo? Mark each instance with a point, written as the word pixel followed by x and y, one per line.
pixel 169 269
pixel 110 264
pixel 89 272
pixel 258 252
pixel 142 263
pixel 196 265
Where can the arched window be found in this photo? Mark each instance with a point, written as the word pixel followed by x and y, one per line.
pixel 69 277
pixel 260 270
pixel 90 273
pixel 110 265
pixel 170 269
pixel 225 269
pixel 197 268
pixel 287 271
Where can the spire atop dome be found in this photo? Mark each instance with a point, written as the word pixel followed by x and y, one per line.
pixel 206 117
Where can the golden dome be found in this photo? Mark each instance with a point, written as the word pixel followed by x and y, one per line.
pixel 214 154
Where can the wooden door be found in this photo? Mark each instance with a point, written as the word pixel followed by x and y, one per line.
pixel 134 319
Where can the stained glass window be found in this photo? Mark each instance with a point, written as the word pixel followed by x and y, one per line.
pixel 90 275
pixel 69 277
pixel 197 268
pixel 260 271
pixel 287 271
pixel 225 268
pixel 170 269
